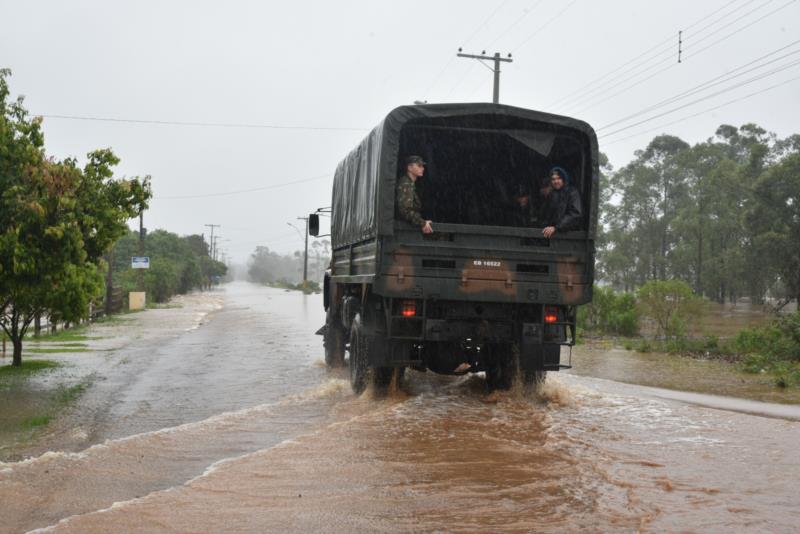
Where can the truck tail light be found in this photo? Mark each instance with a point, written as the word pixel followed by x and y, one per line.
pixel 408 308
pixel 550 314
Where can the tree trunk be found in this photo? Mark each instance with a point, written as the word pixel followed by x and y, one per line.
pixel 17 359
pixel 37 325
pixel 699 288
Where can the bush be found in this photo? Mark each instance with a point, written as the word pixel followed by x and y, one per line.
pixel 610 313
pixel 669 303
pixel 778 340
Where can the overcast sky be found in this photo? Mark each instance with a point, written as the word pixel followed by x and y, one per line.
pixel 336 68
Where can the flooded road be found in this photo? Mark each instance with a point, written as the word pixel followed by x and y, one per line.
pixel 219 417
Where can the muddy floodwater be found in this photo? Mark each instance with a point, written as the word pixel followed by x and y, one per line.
pixel 218 416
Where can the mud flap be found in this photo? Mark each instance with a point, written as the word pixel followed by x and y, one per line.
pixel 387 353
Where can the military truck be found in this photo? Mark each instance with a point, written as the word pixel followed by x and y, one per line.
pixel 486 292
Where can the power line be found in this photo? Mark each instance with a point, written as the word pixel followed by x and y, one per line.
pixel 707 110
pixel 474 33
pixel 485 22
pixel 662 50
pixel 591 97
pixel 466 73
pixel 204 124
pixel 736 86
pixel 227 193
pixel 504 32
pixel 746 26
pixel 629 87
pixel 543 26
pixel 514 24
pixel 592 91
pixel 723 17
pixel 689 36
pixel 591 84
pixel 669 40
pixel 710 83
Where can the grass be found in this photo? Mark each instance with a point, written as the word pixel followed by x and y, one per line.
pixel 77 333
pixel 163 306
pixel 35 422
pixel 42 405
pixel 111 319
pixel 56 350
pixel 27 368
pixel 59 399
pixel 67 395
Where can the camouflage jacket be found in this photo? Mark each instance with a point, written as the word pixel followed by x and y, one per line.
pixel 408 203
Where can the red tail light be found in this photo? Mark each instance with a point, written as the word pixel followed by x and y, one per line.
pixel 550 314
pixel 408 308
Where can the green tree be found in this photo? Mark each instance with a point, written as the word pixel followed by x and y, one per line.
pixel 178 264
pixel 610 313
pixel 670 304
pixel 645 198
pixel 774 217
pixel 56 221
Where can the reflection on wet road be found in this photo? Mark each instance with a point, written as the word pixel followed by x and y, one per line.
pixel 248 436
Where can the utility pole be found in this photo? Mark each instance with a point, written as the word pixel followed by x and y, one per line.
pixel 211 239
pixel 497 59
pixel 110 282
pixel 214 247
pixel 305 255
pixel 141 248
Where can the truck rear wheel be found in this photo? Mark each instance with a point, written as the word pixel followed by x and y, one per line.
pixel 361 374
pixel 334 341
pixel 359 356
pixel 533 380
pixel 501 369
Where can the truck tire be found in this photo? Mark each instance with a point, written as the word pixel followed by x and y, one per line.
pixel 533 380
pixel 502 367
pixel 361 374
pixel 334 341
pixel 359 357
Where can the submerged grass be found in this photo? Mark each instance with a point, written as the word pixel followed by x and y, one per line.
pixel 67 395
pixel 35 422
pixel 56 350
pixel 77 333
pixel 27 368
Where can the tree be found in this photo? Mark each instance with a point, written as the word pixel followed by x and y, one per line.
pixel 178 264
pixel 56 221
pixel 775 220
pixel 645 195
pixel 669 303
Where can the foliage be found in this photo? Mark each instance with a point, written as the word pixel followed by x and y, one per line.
pixel 610 313
pixel 309 287
pixel 670 304
pixel 56 221
pixel 722 216
pixel 268 267
pixel 777 340
pixel 27 368
pixel 178 264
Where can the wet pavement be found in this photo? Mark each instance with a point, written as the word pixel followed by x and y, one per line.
pixel 219 417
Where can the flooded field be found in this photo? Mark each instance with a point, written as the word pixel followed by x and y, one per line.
pixel 223 419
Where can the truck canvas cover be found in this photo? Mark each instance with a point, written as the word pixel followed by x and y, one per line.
pixel 364 183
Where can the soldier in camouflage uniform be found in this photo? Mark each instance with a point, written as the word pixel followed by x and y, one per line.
pixel 408 203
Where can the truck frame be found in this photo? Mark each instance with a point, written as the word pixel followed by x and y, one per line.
pixel 486 292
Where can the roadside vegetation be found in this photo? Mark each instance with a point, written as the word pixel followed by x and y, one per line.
pixel 662 316
pixel 27 405
pixel 178 265
pixel 57 219
pixel 685 226
pixel 286 270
